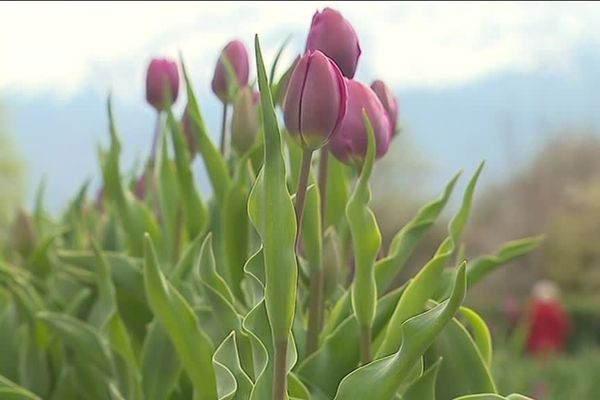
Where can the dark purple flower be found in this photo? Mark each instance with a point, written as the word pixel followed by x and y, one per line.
pixel 385 95
pixel 236 55
pixel 349 145
pixel 334 36
pixel 315 101
pixel 162 83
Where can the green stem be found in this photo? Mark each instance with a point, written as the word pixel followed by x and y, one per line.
pixel 314 310
pixel 223 129
pixel 365 345
pixel 280 371
pixel 323 172
pixel 301 193
pixel 177 236
pixel 150 172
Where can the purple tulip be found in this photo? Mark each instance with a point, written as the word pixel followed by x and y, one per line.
pixel 334 36
pixel 350 144
pixel 189 131
pixel 139 190
pixel 235 52
pixel 245 121
pixel 316 100
pixel 162 75
pixel 385 95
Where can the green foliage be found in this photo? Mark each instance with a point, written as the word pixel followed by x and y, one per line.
pixel 181 297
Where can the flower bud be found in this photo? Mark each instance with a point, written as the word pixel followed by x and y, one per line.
pixel 315 101
pixel 236 55
pixel 162 83
pixel 385 95
pixel 189 131
pixel 334 36
pixel 244 121
pixel 139 189
pixel 349 145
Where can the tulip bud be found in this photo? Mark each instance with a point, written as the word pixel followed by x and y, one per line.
pixel 100 206
pixel 350 144
pixel 334 36
pixel 162 83
pixel 237 57
pixel 244 121
pixel 24 238
pixel 189 131
pixel 385 95
pixel 315 101
pixel 139 189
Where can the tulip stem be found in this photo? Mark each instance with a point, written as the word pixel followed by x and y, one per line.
pixel 280 371
pixel 323 172
pixel 155 139
pixel 315 312
pixel 365 345
pixel 301 193
pixel 223 129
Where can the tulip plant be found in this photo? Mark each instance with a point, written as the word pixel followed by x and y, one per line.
pixel 275 287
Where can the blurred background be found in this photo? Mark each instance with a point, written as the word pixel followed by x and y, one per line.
pixel 516 84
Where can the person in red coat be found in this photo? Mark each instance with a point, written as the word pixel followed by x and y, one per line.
pixel 547 320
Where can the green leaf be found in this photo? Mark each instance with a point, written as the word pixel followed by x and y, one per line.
pixel 160 365
pixel 481 333
pixel 311 228
pixel 194 212
pixel 227 357
pixel 425 283
pixel 366 239
pixel 82 338
pixel 406 240
pixel 482 266
pixel 135 217
pixel 169 198
pixel 256 325
pixel 105 306
pixel 380 379
pixel 11 391
pixel 208 271
pixel 180 322
pixel 277 57
pixel 339 354
pixel 236 229
pixel 423 388
pixel 272 213
pixel 215 165
pixel 492 396
pixel 463 370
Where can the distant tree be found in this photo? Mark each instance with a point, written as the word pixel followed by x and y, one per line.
pixel 557 193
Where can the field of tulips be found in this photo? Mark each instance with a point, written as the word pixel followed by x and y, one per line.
pixel 275 287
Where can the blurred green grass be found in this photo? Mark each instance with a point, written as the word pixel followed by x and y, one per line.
pixel 573 376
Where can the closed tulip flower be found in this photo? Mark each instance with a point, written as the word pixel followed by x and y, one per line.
pixel 162 83
pixel 244 121
pixel 385 95
pixel 349 145
pixel 235 53
pixel 315 102
pixel 334 36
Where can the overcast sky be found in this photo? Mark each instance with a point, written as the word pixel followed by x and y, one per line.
pixel 457 68
pixel 68 47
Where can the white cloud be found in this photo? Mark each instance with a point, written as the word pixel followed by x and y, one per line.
pixel 64 47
